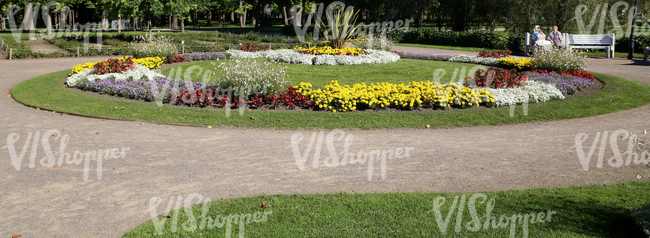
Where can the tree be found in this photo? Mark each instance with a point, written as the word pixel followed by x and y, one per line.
pixel 179 9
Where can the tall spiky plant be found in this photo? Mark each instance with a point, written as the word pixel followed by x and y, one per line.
pixel 342 27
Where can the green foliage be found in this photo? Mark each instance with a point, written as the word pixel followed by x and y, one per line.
pixel 640 43
pixel 480 39
pixel 559 59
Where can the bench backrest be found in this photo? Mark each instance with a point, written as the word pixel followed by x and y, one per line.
pixel 592 39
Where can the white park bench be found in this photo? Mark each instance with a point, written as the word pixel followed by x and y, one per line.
pixel 530 45
pixel 605 42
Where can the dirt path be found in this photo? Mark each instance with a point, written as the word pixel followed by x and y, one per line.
pixel 44 47
pixel 231 162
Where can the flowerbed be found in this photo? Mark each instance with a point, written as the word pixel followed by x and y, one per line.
pixel 497 78
pixel 189 57
pixel 520 64
pixel 326 50
pixel 294 57
pixel 474 60
pixel 533 92
pixel 568 84
pixel 335 97
pixel 423 56
pixel 497 54
pixel 577 73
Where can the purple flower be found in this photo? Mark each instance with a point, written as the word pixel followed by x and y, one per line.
pixel 568 84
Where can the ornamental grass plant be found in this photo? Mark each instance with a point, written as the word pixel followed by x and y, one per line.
pixel 559 59
pixel 162 47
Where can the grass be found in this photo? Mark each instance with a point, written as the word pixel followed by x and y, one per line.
pixel 445 47
pixel 586 211
pixel 48 92
pixel 403 71
pixel 617 54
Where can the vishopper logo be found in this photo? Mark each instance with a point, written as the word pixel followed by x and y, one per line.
pixel 298 14
pixel 50 160
pixel 347 157
pixel 487 221
pixel 603 11
pixel 617 160
pixel 65 29
pixel 204 221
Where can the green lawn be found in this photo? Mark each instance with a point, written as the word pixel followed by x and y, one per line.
pixel 403 71
pixel 588 211
pixel 48 92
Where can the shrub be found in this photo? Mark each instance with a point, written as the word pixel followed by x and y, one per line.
pixel 250 75
pixel 158 47
pixel 481 39
pixel 640 43
pixel 497 78
pixel 559 59
pixel 376 43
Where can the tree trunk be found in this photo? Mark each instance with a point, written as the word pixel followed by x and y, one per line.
pixel 242 17
pixel 174 22
pixel 286 20
pixel 170 22
pixel 119 23
pixel 28 24
pixel 232 17
pixel 221 20
pixel 72 15
pixel 2 22
pixel 48 22
pixel 135 23
pixel 183 25
pixel 209 18
pixel 71 19
pixel 149 27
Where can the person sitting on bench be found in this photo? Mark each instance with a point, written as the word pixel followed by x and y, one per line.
pixel 555 38
pixel 539 38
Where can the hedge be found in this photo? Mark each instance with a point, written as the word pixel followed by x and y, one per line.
pixel 480 38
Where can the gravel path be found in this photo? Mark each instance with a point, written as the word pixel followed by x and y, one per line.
pixel 231 162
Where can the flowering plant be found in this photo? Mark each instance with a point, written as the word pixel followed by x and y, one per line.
pixel 114 65
pixel 497 78
pixel 250 47
pixel 326 50
pixel 566 83
pixel 520 64
pixel 150 62
pixel 158 46
pixel 560 60
pixel 577 73
pixel 497 54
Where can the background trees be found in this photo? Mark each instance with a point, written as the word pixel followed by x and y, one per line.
pixel 459 15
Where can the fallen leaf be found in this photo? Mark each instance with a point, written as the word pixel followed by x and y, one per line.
pixel 264 205
pixel 209 127
pixel 62 114
pixel 134 114
pixel 280 132
pixel 53 134
pixel 9 127
pixel 16 236
pixel 38 108
pixel 159 109
pixel 168 216
pixel 252 118
pixel 122 108
pixel 116 204
pixel 141 123
pixel 98 133
pixel 53 111
pixel 224 198
pixel 57 166
pixel 250 110
pixel 428 126
pixel 114 108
